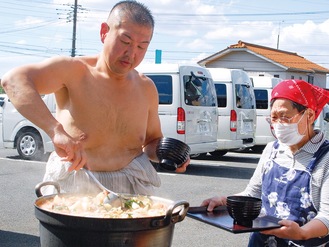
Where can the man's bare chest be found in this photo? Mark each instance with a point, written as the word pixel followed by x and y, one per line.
pixel 115 117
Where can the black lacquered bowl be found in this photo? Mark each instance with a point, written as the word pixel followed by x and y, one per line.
pixel 243 209
pixel 172 153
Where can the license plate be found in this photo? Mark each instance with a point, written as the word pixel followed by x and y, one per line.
pixel 247 126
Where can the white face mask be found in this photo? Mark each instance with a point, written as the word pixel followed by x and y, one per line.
pixel 288 133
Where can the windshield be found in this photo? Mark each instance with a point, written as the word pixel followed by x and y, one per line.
pixel 199 91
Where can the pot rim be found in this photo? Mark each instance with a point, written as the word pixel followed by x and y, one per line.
pixel 176 211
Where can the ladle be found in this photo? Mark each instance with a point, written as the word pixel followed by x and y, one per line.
pixel 112 198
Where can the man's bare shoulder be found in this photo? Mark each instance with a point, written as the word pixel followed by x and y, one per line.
pixel 147 81
pixel 90 60
pixel 71 61
pixel 73 67
pixel 148 86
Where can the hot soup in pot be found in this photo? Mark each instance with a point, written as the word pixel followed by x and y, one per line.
pixel 94 206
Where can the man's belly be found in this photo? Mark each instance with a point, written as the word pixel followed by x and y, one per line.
pixel 108 149
pixel 111 160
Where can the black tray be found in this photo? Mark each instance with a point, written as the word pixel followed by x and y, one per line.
pixel 220 218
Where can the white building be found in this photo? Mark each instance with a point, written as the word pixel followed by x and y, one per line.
pixel 259 60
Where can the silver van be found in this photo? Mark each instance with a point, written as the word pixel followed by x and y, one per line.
pixel 2 102
pixel 236 110
pixel 322 122
pixel 187 104
pixel 17 132
pixel 263 86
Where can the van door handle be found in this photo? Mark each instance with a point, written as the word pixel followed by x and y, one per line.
pixel 203 121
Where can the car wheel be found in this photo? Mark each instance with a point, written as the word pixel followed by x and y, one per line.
pixel 29 145
pixel 258 149
pixel 218 153
pixel 199 156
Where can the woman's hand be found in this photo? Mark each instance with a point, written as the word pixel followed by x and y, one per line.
pixel 213 202
pixel 288 230
pixel 291 230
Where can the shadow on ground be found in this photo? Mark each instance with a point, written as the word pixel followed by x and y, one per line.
pixel 44 158
pixel 221 171
pixel 242 159
pixel 14 239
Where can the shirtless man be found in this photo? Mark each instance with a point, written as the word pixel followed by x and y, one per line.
pixel 107 113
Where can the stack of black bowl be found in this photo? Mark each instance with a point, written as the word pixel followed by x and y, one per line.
pixel 172 153
pixel 243 209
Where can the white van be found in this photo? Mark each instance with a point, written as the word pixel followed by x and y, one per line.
pixel 30 141
pixel 187 104
pixel 236 110
pixel 2 102
pixel 263 86
pixel 322 122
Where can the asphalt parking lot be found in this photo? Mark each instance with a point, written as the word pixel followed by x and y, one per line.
pixel 203 179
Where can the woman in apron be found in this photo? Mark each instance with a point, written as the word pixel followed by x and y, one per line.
pixel 292 176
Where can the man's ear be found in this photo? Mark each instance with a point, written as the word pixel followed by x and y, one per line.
pixel 104 30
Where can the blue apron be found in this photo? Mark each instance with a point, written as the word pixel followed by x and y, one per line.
pixel 286 195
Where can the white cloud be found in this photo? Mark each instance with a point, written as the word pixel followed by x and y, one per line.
pixel 185 30
pixel 324 27
pixel 21 42
pixel 28 21
pixel 62 2
pixel 198 44
pixel 299 35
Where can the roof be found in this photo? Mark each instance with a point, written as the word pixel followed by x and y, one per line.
pixel 290 60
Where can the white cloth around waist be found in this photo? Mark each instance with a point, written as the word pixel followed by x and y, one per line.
pixel 138 177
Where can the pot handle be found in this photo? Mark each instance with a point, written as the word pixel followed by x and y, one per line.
pixel 42 184
pixel 169 215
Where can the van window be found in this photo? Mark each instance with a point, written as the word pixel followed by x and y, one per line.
pixel 164 87
pixel 244 98
pixel 261 98
pixel 198 91
pixel 221 92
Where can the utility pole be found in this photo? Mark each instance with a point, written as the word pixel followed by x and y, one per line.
pixel 75 12
pixel 278 41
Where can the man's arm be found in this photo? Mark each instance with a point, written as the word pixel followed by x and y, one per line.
pixel 24 85
pixel 153 131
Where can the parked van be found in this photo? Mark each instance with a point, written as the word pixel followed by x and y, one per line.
pixel 187 104
pixel 236 110
pixel 263 86
pixel 322 122
pixel 30 141
pixel 2 101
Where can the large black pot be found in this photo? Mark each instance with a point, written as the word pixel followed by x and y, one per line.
pixel 65 230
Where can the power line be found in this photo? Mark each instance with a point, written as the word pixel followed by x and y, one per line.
pixel 41 25
pixel 49 13
pixel 244 14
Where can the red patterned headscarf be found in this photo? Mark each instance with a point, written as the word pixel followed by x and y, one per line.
pixel 303 93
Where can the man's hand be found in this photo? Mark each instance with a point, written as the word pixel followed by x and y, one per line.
pixel 184 166
pixel 69 150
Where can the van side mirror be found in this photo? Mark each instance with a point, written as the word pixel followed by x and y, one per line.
pixel 326 118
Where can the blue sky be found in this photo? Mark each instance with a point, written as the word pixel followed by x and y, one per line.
pixel 186 30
